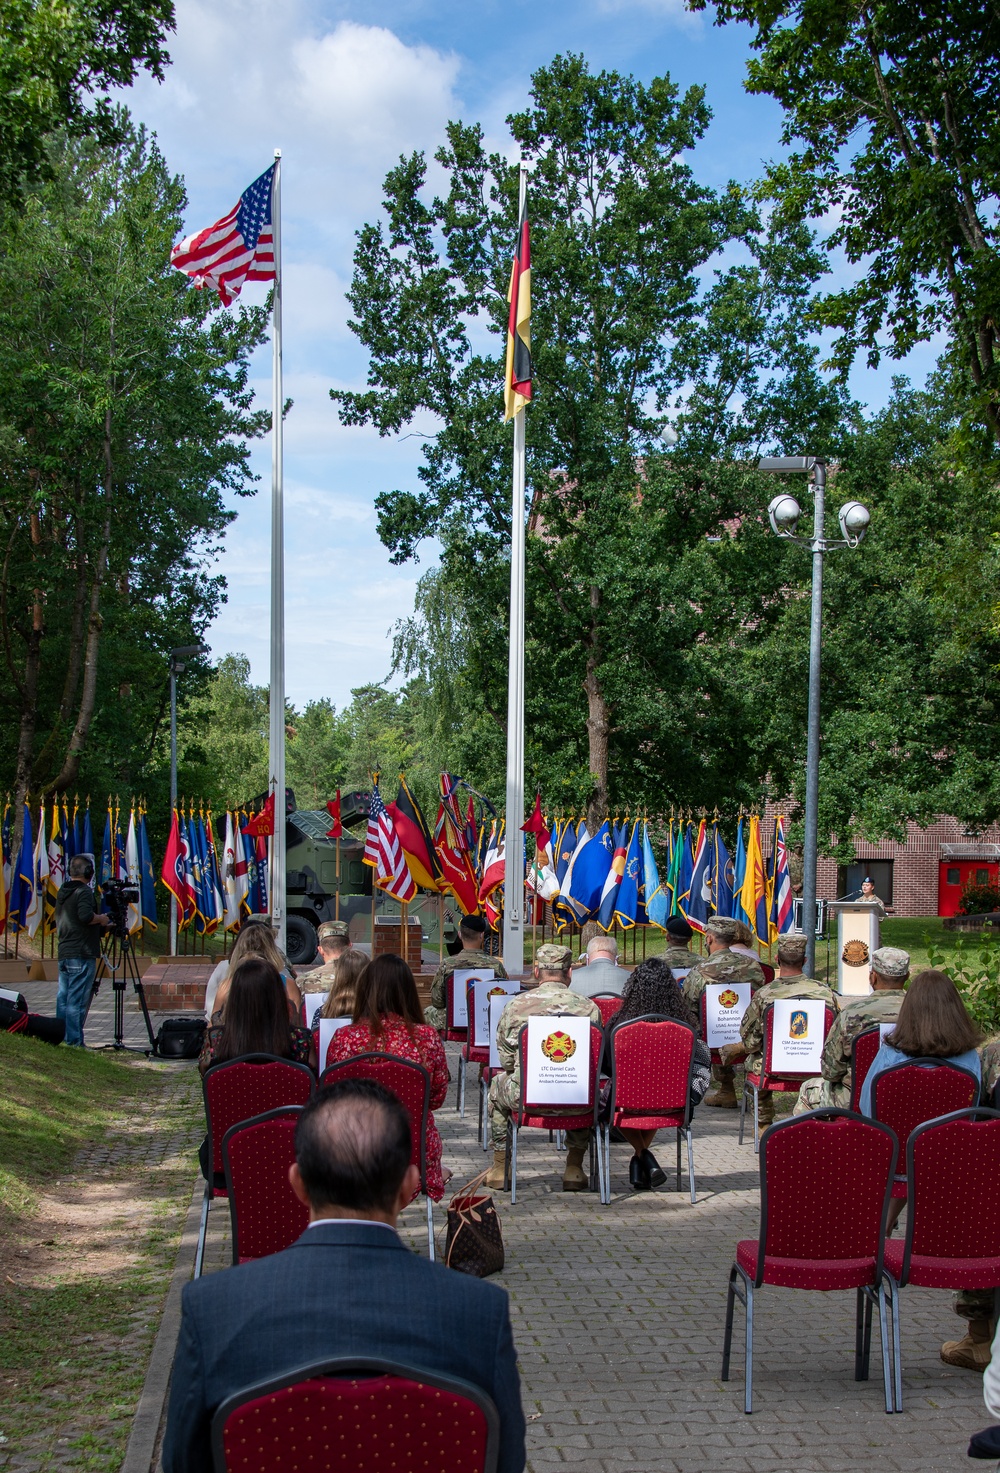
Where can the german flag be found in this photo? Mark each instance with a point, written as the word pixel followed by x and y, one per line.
pixel 415 837
pixel 517 383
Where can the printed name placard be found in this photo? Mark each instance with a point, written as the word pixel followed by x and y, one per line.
pixel 459 1001
pixel 484 988
pixel 327 1028
pixel 497 1005
pixel 558 1060
pixel 312 1002
pixel 725 1004
pixel 884 1029
pixel 680 973
pixel 797 1038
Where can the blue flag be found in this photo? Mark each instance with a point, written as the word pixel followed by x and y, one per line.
pixel 656 900
pixel 685 869
pixel 739 873
pixel 571 846
pixel 107 869
pixel 609 893
pixel 147 876
pixel 628 894
pixel 588 872
pixel 696 907
pixel 722 877
pixel 22 883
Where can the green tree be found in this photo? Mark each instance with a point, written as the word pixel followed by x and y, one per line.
pixel 635 318
pixel 58 60
pixel 222 737
pixel 893 110
pixel 315 754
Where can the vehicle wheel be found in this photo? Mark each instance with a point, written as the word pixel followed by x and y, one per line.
pixel 300 941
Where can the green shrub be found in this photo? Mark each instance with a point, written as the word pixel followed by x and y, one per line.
pixel 978 900
pixel 974 967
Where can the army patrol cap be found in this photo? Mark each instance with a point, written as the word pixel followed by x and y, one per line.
pixel 677 926
pixel 791 951
pixel 330 929
pixel 891 961
pixel 723 929
pixel 553 957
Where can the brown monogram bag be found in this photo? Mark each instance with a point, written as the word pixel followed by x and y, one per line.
pixel 474 1244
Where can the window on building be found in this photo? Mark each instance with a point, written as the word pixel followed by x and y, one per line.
pixel 982 877
pixel 850 876
pixel 953 875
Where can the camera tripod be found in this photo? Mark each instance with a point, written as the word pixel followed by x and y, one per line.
pixel 118 955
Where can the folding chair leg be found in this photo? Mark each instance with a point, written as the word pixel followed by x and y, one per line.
pixel 743 1109
pixel 678 1186
pixel 506 1160
pixel 199 1257
pixel 727 1343
pixel 430 1229
pixel 883 1326
pixel 748 1376
pixel 756 1120
pixel 460 1101
pixel 897 1354
pixel 690 1164
pixel 513 1166
pixel 736 1275
pixel 605 1131
pixel 483 1115
pixel 593 1165
pixel 859 1336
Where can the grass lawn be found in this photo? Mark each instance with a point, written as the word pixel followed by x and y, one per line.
pixel 96 1169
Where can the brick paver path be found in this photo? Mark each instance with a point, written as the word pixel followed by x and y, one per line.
pixel 618 1315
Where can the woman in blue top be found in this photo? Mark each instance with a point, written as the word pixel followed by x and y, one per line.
pixel 932 1024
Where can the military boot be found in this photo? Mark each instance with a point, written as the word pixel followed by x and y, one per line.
pixel 972 1352
pixel 724 1095
pixel 495 1175
pixel 575 1179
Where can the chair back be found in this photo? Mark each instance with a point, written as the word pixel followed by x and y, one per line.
pixel 768 971
pixel 409 1082
pixel 453 1033
pixel 825 1186
pixel 907 1094
pixel 953 1187
pixel 784 1074
pixel 609 1003
pixel 548 1108
pixel 376 1414
pixel 864 1047
pixel 652 1061
pixel 238 1089
pixel 266 1214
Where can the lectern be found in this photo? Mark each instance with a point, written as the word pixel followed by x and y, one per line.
pixel 858 924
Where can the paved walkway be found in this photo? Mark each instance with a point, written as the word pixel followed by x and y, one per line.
pixel 618 1316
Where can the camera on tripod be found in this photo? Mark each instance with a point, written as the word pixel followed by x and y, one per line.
pixel 118 895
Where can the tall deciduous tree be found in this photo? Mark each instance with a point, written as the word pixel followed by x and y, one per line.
pixel 629 325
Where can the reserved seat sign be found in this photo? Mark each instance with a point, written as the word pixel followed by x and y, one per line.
pixel 558 1060
pixel 725 1004
pixel 798 1034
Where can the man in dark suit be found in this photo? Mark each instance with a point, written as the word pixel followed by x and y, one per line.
pixel 349 1286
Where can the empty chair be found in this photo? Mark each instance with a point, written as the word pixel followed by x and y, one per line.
pixel 266 1214
pixel 237 1090
pixel 952 1238
pixel 343 1416
pixel 825 1181
pixel 652 1067
pixel 864 1046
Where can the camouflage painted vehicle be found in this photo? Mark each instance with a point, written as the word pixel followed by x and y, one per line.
pixel 311 882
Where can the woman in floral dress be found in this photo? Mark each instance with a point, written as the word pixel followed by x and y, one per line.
pixel 388 1019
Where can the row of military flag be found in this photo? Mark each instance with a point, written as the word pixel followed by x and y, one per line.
pixel 610 876
pixel 54 835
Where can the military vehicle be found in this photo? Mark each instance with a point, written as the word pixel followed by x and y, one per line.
pixel 311 882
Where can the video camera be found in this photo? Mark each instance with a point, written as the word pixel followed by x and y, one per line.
pixel 117 897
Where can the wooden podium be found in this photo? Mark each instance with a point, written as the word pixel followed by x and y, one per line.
pixel 858 930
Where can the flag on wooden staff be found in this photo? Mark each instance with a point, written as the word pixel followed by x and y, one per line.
pixel 517 382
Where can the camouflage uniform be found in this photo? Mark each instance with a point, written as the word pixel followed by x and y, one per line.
pixel 436 1014
pixel 680 958
pixel 320 979
pixel 505 1090
pixel 721 966
pixel 752 1024
pixel 832 1089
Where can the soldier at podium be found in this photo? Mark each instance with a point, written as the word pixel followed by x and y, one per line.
pixel 890 969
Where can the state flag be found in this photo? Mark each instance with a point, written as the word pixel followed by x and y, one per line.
pixel 517 374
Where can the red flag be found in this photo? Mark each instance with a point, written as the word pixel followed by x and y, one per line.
pixel 261 825
pixel 333 809
pixel 536 823
pixel 172 872
pixel 457 873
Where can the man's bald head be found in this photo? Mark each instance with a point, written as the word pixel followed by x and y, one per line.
pixel 352 1148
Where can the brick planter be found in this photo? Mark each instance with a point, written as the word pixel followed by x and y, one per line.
pixel 177 987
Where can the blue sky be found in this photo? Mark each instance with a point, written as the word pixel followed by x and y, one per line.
pixel 343 89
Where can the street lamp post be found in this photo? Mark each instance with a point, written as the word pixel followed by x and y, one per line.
pixel 177 658
pixel 784 513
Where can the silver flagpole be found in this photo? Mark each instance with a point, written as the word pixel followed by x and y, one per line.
pixel 276 877
pixel 513 874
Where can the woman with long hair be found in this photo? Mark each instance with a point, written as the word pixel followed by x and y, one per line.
pixel 256 1020
pixel 652 988
pixel 388 1019
pixel 344 989
pixel 254 939
pixel 932 1024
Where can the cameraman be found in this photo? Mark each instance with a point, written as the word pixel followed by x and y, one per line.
pixel 80 927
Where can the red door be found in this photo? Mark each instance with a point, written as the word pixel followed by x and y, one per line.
pixel 955 874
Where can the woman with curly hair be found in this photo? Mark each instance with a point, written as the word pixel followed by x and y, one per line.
pixel 652 988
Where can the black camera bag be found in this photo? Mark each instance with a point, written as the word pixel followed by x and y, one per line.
pixel 181 1038
pixel 15 1018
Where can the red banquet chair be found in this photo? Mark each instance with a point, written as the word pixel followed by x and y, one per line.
pixel 652 1063
pixel 779 1083
pixel 266 1214
pixel 609 1005
pixel 341 1416
pixel 952 1238
pixel 539 1115
pixel 411 1084
pixel 907 1094
pixel 768 970
pixel 825 1182
pixel 864 1046
pixel 236 1090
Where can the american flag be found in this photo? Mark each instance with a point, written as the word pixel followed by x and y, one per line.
pixel 237 248
pixel 385 853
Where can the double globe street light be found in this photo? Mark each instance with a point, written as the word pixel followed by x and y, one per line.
pixel 784 514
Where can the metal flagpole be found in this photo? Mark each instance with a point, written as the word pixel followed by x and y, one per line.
pixel 513 874
pixel 276 874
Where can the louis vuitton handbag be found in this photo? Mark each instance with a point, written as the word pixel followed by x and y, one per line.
pixel 474 1242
